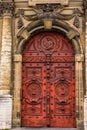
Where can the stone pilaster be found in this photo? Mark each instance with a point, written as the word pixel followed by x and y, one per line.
pixel 79 58
pixel 6 53
pixel 17 90
pixel 85 99
pixel 85 12
pixel 86 57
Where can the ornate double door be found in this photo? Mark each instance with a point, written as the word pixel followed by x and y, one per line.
pixel 48 82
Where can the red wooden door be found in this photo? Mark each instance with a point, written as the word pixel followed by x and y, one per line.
pixel 48 82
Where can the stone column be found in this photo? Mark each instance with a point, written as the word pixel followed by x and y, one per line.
pixel 79 58
pixel 6 50
pixel 6 9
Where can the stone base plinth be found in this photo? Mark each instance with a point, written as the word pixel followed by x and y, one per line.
pixel 5 111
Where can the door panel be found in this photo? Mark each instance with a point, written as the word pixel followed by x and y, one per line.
pixel 33 107
pixel 62 94
pixel 48 82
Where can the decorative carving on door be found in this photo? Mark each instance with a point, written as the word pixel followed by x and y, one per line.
pixel 62 89
pixel 48 81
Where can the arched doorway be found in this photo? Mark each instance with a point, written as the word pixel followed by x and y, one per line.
pixel 48 81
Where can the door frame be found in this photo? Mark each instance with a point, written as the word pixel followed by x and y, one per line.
pixel 72 34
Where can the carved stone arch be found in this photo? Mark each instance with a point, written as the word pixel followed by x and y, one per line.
pixel 59 26
pixel 72 34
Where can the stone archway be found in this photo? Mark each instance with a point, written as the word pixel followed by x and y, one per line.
pixel 71 34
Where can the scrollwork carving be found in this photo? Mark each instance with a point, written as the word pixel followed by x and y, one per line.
pixel 51 11
pixel 20 23
pixel 77 13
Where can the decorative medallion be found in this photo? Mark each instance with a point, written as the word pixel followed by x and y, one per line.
pixel 34 90
pixel 47 43
pixel 62 89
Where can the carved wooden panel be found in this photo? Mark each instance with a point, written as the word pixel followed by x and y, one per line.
pixel 48 81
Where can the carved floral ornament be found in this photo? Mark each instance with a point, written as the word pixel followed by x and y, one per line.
pixel 6 7
pixel 49 11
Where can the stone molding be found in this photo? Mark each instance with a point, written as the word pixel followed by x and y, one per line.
pixel 34 2
pixel 72 33
pixel 36 26
pixel 6 7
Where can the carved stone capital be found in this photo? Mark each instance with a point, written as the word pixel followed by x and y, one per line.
pixel 18 58
pixel 79 57
pixel 6 8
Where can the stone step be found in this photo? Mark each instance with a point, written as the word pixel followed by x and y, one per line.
pixel 28 128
